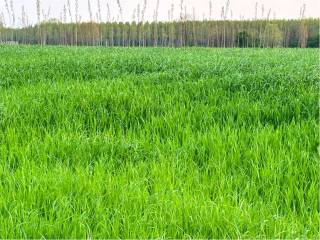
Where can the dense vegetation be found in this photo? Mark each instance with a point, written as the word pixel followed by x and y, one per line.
pixel 174 143
pixel 106 27
pixel 259 33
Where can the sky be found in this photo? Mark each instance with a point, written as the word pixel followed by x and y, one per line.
pixel 281 9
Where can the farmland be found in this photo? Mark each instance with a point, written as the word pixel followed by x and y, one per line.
pixel 146 143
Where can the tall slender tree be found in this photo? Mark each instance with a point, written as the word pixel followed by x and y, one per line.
pixel 77 21
pixel 303 28
pixel 39 21
pixel 155 43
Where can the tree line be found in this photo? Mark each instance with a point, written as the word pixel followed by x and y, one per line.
pixel 185 31
pixel 245 33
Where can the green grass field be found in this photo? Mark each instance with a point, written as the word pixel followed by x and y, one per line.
pixel 148 143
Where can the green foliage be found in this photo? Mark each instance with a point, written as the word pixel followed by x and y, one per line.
pixel 243 39
pixel 273 37
pixel 259 33
pixel 148 143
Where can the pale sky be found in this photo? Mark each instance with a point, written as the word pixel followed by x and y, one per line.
pixel 246 8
